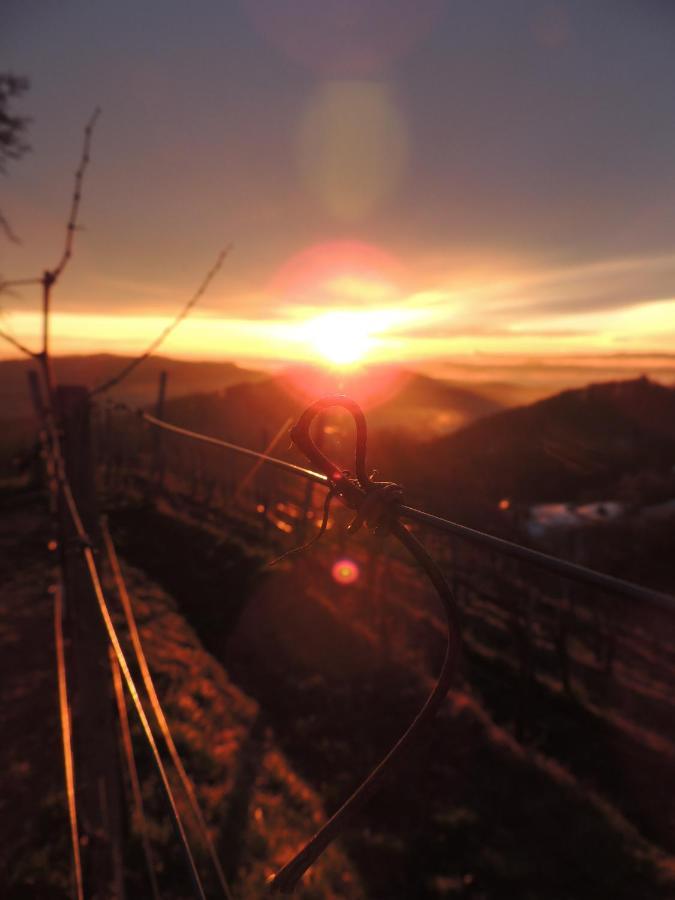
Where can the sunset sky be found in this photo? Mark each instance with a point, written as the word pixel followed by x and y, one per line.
pixel 419 179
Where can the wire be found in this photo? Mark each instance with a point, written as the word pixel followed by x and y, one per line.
pixel 119 653
pixel 128 369
pixel 133 692
pixel 66 739
pixel 356 494
pixel 317 537
pixel 226 445
pixel 156 705
pixel 562 567
pixel 128 748
pixel 253 471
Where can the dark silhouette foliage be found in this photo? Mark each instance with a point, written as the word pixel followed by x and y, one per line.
pixel 12 131
pixel 12 126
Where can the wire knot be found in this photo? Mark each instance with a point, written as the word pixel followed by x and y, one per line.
pixel 379 508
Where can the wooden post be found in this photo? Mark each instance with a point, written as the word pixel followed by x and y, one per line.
pixel 159 448
pixel 40 414
pixel 95 740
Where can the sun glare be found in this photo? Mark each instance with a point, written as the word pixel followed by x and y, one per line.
pixel 341 338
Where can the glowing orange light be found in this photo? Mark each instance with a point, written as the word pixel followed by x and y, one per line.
pixel 505 504
pixel 341 338
pixel 345 571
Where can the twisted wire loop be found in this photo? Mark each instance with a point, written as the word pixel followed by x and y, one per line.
pixel 375 504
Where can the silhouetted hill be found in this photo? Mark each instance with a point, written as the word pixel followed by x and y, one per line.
pixel 185 377
pixel 579 443
pixel 394 399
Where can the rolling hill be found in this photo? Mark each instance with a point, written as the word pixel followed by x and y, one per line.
pixel 576 444
pixel 395 400
pixel 185 377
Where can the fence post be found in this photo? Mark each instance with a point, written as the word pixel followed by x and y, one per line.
pixel 98 783
pixel 40 415
pixel 159 448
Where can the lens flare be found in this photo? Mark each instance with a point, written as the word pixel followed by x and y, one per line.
pixel 352 147
pixel 345 38
pixel 348 273
pixel 345 571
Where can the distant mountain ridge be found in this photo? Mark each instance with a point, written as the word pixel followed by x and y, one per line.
pixel 577 443
pixel 140 388
pixel 396 400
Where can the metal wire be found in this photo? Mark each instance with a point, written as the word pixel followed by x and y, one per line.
pixel 570 570
pixel 90 562
pixel 226 445
pixel 133 692
pixel 356 494
pixel 157 706
pixel 128 747
pixel 66 739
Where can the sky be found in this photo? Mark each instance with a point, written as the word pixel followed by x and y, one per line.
pixel 418 180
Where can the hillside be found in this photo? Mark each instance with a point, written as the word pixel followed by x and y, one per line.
pixel 577 444
pixel 185 377
pixel 397 400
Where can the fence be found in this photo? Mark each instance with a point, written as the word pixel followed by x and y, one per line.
pixel 539 632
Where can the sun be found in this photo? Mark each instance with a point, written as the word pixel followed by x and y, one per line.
pixel 340 338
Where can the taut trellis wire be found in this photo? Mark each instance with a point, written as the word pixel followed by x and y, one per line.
pixel 573 571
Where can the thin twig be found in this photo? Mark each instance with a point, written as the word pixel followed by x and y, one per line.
pixel 17 282
pixel 71 225
pixel 51 276
pixel 18 344
pixel 317 537
pixel 128 369
pixel 7 228
pixel 5 286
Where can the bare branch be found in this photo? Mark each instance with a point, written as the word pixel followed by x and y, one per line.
pixel 7 228
pixel 17 282
pixel 18 344
pixel 128 369
pixel 75 205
